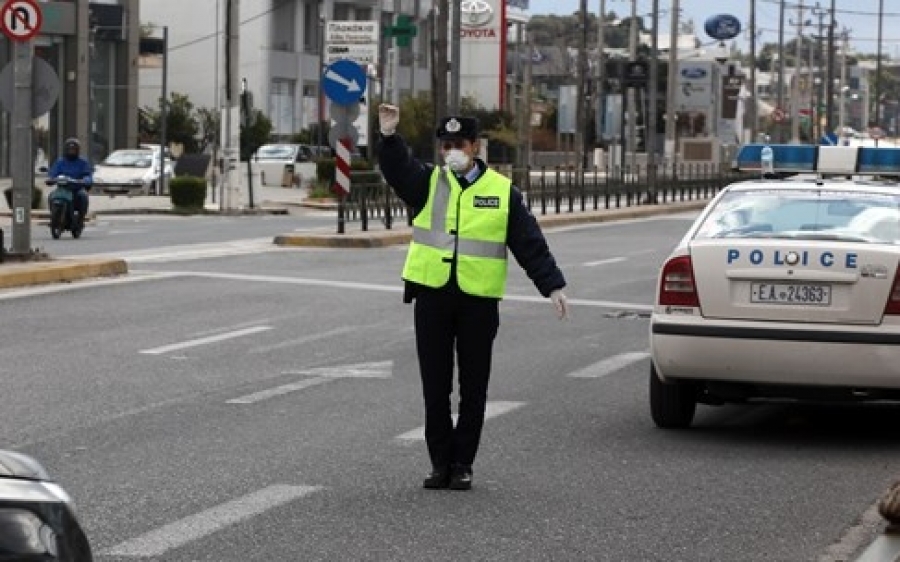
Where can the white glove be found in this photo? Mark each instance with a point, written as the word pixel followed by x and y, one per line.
pixel 561 303
pixel 388 118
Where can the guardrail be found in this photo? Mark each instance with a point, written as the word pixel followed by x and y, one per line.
pixel 556 190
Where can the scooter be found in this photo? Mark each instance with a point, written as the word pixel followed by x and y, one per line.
pixel 63 215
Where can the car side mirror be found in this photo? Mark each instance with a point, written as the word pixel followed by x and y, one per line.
pixel 43 169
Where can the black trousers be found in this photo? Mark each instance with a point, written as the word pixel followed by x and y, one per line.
pixel 451 323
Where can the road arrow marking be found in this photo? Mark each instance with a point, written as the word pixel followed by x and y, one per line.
pixel 195 527
pixel 609 365
pixel 320 375
pixel 492 410
pixel 376 370
pixel 351 85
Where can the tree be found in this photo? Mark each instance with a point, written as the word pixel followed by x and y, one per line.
pixel 208 123
pixel 181 126
pixel 256 134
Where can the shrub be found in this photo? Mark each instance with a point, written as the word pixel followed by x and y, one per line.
pixel 325 168
pixel 37 197
pixel 187 192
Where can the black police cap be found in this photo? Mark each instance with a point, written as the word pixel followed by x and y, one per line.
pixel 458 127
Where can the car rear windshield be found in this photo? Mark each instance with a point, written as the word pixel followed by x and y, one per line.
pixel 130 158
pixel 805 214
pixel 276 152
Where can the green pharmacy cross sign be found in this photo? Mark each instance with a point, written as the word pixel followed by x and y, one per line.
pixel 403 31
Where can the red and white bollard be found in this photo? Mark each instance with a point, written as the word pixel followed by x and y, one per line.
pixel 342 167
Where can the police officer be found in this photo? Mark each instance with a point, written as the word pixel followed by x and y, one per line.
pixel 466 216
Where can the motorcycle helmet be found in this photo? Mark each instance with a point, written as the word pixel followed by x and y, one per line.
pixel 72 148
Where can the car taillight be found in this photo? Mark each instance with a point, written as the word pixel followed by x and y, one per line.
pixel 893 302
pixel 676 287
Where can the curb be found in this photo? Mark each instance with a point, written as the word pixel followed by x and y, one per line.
pixel 382 238
pixel 25 274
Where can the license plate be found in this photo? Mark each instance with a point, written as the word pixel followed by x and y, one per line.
pixel 791 293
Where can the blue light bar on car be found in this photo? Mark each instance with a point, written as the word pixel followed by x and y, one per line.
pixel 821 159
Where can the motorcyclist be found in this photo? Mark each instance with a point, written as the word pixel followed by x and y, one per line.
pixel 73 166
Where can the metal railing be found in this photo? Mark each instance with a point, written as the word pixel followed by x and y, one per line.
pixel 558 190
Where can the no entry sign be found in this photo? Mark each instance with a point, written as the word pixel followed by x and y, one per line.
pixel 20 20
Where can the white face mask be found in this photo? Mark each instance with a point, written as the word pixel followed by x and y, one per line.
pixel 457 160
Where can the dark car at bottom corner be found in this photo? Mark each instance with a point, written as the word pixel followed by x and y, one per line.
pixel 784 288
pixel 38 522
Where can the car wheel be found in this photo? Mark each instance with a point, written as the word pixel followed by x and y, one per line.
pixel 672 404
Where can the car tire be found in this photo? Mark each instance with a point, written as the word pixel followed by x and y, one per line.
pixel 672 404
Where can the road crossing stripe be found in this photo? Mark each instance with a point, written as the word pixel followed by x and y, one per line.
pixel 207 340
pixel 492 410
pixel 609 365
pixel 278 391
pixel 603 262
pixel 197 526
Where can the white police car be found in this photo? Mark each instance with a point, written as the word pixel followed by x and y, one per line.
pixel 784 288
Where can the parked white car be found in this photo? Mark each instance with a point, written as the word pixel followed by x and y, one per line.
pixel 131 171
pixel 271 162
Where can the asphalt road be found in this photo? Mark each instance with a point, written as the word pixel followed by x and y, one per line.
pixel 241 402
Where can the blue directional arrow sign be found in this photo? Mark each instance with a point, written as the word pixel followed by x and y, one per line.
pixel 344 82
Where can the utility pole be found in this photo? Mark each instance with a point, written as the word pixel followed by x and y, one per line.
pixel 21 152
pixel 439 62
pixel 843 89
pixel 650 122
pixel 394 57
pixel 820 87
pixel 671 116
pixel 523 113
pixel 599 89
pixel 163 115
pixel 829 84
pixel 754 119
pixel 632 98
pixel 878 66
pixel 455 56
pixel 795 82
pixel 780 93
pixel 232 150
pixel 581 91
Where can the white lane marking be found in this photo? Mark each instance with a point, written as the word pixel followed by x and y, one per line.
pixel 603 262
pixel 374 370
pixel 306 339
pixel 278 391
pixel 205 523
pixel 492 410
pixel 609 365
pixel 203 341
pixel 394 288
pixel 320 375
pixel 231 328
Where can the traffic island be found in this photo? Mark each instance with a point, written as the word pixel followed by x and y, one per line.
pixel 15 273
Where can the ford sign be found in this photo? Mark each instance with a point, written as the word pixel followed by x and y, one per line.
pixel 722 27
pixel 693 73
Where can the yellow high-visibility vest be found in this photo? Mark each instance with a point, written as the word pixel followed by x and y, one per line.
pixel 469 224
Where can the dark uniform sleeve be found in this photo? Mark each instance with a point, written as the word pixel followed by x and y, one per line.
pixel 528 245
pixel 407 176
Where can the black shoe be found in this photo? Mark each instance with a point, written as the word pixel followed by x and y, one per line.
pixel 438 479
pixel 461 477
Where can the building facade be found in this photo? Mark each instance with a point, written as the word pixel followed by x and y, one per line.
pixel 281 46
pixel 92 47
